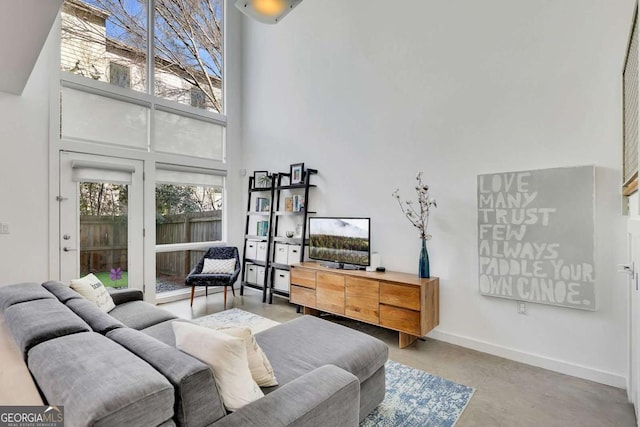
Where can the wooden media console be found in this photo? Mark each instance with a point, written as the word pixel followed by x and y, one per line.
pixel 398 301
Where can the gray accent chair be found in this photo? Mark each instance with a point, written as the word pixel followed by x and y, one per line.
pixel 197 278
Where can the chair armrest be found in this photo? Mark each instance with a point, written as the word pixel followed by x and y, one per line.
pixel 326 396
pixel 120 296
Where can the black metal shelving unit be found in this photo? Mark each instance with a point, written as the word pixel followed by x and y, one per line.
pixel 278 214
pixel 268 215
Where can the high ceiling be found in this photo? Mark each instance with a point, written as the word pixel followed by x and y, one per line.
pixel 24 27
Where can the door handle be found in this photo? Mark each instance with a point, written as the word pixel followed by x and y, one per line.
pixel 66 249
pixel 626 268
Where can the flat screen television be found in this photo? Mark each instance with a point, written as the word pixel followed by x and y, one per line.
pixel 340 240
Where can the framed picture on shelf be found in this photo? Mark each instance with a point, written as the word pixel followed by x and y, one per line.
pixel 298 203
pixel 288 204
pixel 263 204
pixel 297 173
pixel 261 179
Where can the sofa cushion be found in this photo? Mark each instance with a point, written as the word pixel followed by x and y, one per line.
pixel 372 392
pixel 227 356
pixel 300 345
pixel 21 292
pixel 100 383
pixel 98 320
pixel 325 397
pixel 198 402
pixel 61 291
pixel 163 331
pixel 34 322
pixel 218 266
pixel 122 295
pixel 18 387
pixel 139 314
pixel 92 289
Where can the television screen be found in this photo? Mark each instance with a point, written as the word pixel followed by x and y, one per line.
pixel 341 240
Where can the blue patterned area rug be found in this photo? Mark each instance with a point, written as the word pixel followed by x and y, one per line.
pixel 413 398
pixel 417 398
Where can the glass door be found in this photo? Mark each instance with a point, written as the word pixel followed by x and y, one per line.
pixel 101 219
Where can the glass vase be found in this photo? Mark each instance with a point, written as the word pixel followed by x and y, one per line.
pixel 423 266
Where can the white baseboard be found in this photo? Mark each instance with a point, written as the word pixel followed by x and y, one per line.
pixel 551 364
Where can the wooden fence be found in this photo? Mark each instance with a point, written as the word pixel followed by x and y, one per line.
pixel 190 227
pixel 103 241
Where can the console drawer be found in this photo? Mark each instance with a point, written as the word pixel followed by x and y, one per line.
pixel 303 296
pixel 405 296
pixel 400 319
pixel 330 279
pixel 362 299
pixel 303 277
pixel 330 294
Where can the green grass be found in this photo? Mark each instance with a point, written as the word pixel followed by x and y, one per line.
pixel 106 280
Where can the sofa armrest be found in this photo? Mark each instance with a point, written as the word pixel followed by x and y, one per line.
pixel 120 296
pixel 326 396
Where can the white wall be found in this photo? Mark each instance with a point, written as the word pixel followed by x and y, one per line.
pixel 24 174
pixel 369 93
pixel 233 88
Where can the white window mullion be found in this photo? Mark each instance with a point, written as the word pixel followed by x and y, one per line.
pixel 151 49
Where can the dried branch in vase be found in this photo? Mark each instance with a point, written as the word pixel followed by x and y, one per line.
pixel 419 216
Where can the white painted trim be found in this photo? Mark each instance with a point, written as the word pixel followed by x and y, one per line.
pixel 175 247
pixel 149 258
pixel 561 366
pixel 54 165
pixel 96 87
pixel 172 296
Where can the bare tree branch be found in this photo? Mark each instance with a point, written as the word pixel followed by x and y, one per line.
pixel 188 42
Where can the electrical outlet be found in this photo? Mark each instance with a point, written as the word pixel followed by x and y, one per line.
pixel 522 307
pixel 4 228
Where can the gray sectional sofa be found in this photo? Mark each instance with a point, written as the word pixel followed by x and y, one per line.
pixel 122 368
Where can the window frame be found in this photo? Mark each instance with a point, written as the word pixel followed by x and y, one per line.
pixel 150 157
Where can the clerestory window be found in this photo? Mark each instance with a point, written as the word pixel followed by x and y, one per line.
pixel 186 46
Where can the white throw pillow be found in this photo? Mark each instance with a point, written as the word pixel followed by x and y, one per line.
pixel 219 266
pixel 260 367
pixel 227 357
pixel 92 289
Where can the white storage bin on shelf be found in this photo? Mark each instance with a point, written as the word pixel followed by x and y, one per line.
pixel 281 280
pixel 252 273
pixel 260 275
pixel 281 253
pixel 293 255
pixel 252 249
pixel 261 252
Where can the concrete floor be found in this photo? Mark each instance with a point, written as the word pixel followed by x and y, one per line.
pixel 507 393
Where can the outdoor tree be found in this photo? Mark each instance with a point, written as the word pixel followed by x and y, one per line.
pixel 187 43
pixel 103 199
pixel 178 199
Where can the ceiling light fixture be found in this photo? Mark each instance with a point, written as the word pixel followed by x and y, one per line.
pixel 266 11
